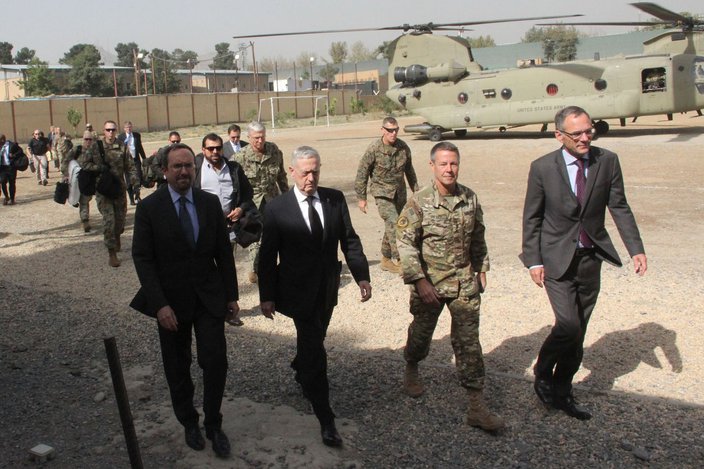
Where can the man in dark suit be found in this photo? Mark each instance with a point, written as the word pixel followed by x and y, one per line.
pixel 133 141
pixel 304 227
pixel 234 144
pixel 565 242
pixel 184 262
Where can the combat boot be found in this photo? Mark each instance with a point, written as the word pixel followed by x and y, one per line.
pixel 480 416
pixel 389 265
pixel 412 385
pixel 86 226
pixel 113 261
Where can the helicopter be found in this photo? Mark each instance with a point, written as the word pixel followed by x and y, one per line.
pixel 436 77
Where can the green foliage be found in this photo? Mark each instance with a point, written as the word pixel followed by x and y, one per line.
pixel 83 53
pixel 184 59
pixel 357 106
pixel 481 41
pixel 163 66
pixel 74 116
pixel 85 76
pixel 332 107
pixel 39 79
pixel 383 50
pixel 386 105
pixel 251 115
pixel 328 72
pixel 24 56
pixel 282 117
pixel 125 55
pixel 338 52
pixel 224 58
pixel 559 42
pixel 360 53
pixel 5 53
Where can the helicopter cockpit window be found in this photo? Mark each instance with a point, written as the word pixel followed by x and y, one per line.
pixel 462 98
pixel 489 93
pixel 653 80
pixel 699 74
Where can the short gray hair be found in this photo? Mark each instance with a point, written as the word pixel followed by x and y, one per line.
pixel 303 153
pixel 563 114
pixel 444 146
pixel 255 126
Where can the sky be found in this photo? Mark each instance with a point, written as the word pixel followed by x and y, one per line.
pixel 51 28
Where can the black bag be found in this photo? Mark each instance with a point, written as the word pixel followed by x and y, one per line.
pixel 108 184
pixel 61 193
pixel 20 162
pixel 248 229
pixel 86 182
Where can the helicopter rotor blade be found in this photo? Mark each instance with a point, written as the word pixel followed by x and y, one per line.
pixel 667 18
pixel 663 13
pixel 404 27
pixel 609 23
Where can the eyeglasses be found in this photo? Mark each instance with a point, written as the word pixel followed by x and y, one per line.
pixel 391 131
pixel 173 142
pixel 180 166
pixel 576 135
pixel 87 139
pixel 211 149
pixel 111 130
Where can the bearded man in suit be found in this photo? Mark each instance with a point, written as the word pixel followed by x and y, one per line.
pixel 186 269
pixel 565 242
pixel 304 228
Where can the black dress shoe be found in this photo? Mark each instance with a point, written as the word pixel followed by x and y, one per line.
pixel 330 435
pixel 221 444
pixel 194 438
pixel 569 406
pixel 543 389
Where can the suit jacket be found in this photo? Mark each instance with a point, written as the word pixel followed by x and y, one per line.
pixel 227 150
pixel 138 148
pixel 293 284
pixel 552 215
pixel 169 271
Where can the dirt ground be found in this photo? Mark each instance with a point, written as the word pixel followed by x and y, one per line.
pixel 644 341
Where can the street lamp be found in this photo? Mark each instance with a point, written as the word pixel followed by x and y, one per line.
pixel 237 73
pixel 312 59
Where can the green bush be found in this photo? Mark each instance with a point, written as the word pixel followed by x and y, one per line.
pixel 358 106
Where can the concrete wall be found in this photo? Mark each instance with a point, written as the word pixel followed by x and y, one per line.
pixel 157 112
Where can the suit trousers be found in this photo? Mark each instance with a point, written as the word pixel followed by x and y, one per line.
pixel 572 297
pixel 311 361
pixel 211 348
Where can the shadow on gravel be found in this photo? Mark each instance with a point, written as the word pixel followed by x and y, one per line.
pixel 53 367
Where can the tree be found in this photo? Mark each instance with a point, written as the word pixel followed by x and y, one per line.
pixel 383 50
pixel 6 53
pixel 85 76
pixel 559 42
pixel 39 80
pixel 303 64
pixel 338 52
pixel 328 72
pixel 224 57
pixel 268 64
pixel 359 52
pixel 24 56
pixel 125 55
pixel 74 116
pixel 481 41
pixel 184 59
pixel 87 52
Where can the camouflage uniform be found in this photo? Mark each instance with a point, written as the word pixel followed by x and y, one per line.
pixel 60 148
pixel 84 200
pixel 386 165
pixel 442 239
pixel 114 211
pixel 267 175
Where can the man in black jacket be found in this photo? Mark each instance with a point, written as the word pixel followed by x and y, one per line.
pixel 9 151
pixel 133 142
pixel 303 229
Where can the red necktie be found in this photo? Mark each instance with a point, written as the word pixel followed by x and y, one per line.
pixel 580 183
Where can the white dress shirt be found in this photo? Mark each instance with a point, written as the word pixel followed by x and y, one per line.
pixel 303 205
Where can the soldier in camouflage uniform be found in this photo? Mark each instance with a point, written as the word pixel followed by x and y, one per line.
pixel 385 162
pixel 60 146
pixel 263 164
pixel 114 211
pixel 84 200
pixel 440 236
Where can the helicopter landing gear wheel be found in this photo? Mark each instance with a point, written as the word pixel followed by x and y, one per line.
pixel 435 135
pixel 502 129
pixel 601 127
pixel 460 132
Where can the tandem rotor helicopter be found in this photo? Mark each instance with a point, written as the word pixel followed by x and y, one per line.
pixel 437 78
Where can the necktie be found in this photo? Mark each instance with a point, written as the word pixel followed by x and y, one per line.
pixel 580 183
pixel 316 226
pixel 186 223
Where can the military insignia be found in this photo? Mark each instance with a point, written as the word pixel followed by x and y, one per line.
pixel 402 221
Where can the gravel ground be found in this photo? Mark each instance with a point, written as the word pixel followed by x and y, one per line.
pixel 642 370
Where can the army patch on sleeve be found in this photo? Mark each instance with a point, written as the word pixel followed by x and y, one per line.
pixel 402 221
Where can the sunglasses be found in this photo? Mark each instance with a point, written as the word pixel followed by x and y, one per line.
pixel 218 148
pixel 111 130
pixel 391 131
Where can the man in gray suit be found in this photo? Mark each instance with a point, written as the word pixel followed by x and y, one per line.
pixel 565 241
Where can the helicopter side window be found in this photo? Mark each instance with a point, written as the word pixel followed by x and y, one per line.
pixel 699 74
pixel 653 80
pixel 489 93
